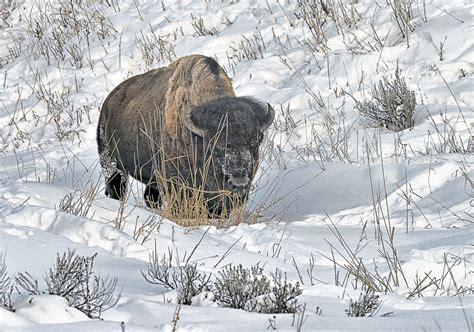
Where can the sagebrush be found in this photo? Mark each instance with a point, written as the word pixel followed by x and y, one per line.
pixel 367 305
pixel 392 105
pixel 186 279
pixel 238 287
pixel 73 278
pixel 233 286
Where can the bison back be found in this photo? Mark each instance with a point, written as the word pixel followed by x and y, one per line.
pixel 130 122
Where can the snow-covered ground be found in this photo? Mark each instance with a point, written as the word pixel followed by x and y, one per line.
pixel 330 178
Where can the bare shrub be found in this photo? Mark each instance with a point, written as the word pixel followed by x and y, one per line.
pixel 79 202
pixel 59 29
pixel 315 15
pixel 6 286
pixel 234 286
pixel 470 145
pixel 143 230
pixel 6 9
pixel 392 104
pixel 238 287
pixel 189 282
pixel 367 305
pixel 186 280
pixel 282 298
pixel 200 27
pixel 402 13
pixel 156 48
pixel 74 279
pixel 446 137
pixel 83 17
pixel 249 48
pixel 318 14
pixel 28 283
pixel 14 51
pixel 249 289
pixel 62 113
pixel 329 134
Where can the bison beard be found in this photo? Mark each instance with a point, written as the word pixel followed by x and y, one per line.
pixel 182 132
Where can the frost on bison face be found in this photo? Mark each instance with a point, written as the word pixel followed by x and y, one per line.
pixel 181 128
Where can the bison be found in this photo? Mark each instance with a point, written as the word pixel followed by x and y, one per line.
pixel 182 125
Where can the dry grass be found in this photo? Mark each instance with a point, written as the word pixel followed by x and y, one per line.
pixel 369 274
pixel 188 202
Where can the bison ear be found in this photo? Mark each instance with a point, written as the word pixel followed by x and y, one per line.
pixel 191 125
pixel 268 117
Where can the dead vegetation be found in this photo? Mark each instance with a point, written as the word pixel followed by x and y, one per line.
pixel 63 35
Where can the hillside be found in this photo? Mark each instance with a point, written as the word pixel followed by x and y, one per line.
pixel 365 185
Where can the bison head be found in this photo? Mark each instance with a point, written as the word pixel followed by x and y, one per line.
pixel 228 132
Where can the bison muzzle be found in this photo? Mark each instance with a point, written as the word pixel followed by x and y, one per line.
pixel 182 127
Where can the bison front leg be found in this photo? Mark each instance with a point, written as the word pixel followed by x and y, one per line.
pixel 218 207
pixel 215 210
pixel 223 206
pixel 152 196
pixel 116 185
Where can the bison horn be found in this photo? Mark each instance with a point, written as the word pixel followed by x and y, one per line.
pixel 268 118
pixel 188 122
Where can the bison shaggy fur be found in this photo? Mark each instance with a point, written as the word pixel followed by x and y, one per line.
pixel 182 125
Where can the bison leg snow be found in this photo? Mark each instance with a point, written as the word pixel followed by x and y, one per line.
pixel 116 185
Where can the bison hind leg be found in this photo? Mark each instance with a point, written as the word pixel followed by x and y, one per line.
pixel 116 180
pixel 116 185
pixel 152 196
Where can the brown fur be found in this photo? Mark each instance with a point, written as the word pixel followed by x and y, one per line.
pixel 192 84
pixel 158 125
pixel 174 90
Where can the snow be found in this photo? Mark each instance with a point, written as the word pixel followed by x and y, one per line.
pixel 418 181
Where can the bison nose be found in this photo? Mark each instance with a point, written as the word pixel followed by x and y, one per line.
pixel 239 188
pixel 239 184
